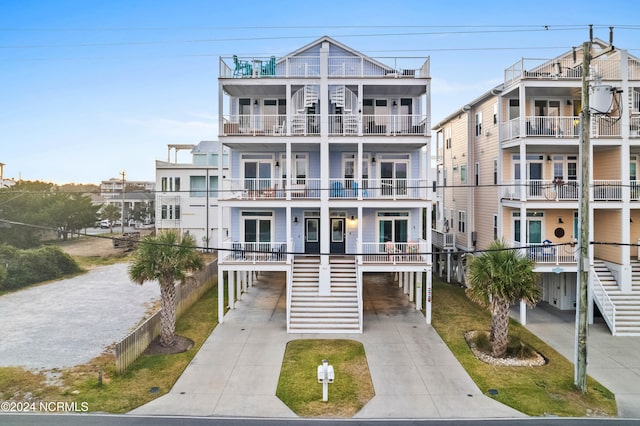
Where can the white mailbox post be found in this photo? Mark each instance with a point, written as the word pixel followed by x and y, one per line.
pixel 325 376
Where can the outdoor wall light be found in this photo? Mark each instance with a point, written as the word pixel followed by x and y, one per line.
pixel 373 160
pixel 548 159
pixel 560 220
pixel 277 164
pixel 295 219
pixel 353 218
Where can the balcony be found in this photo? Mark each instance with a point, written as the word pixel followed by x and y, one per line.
pixel 443 240
pixel 566 69
pixel 548 254
pixel 307 188
pixel 395 253
pixel 558 127
pixel 339 125
pixel 542 189
pixel 253 252
pixel 309 67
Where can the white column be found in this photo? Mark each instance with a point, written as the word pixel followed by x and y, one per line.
pixel 232 283
pixel 412 276
pixel 238 280
pixel 419 291
pixel 523 312
pixel 220 296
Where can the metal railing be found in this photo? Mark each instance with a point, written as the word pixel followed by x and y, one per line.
pixel 309 67
pixel 253 252
pixel 378 188
pixel 271 188
pixel 559 127
pixel 560 69
pixel 542 253
pixel 607 190
pixel 542 189
pixel 634 126
pixel 394 253
pixel 602 299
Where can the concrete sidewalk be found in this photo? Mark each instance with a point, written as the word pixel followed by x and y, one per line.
pixel 414 374
pixel 611 360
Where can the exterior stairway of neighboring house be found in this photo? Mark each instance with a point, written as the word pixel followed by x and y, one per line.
pixel 627 305
pixel 336 313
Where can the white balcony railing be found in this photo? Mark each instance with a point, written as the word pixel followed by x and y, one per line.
pixel 378 188
pixel 395 253
pixel 444 240
pixel 561 127
pixel 547 253
pixel 307 188
pixel 309 67
pixel 339 125
pixel 560 69
pixel 607 190
pixel 541 189
pixel 253 252
pixel 272 188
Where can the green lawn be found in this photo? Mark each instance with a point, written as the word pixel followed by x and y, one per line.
pixel 536 391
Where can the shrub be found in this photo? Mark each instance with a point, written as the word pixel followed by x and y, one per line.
pixel 26 267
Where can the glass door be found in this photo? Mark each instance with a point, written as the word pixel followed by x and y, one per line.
pixel 338 243
pixel 393 178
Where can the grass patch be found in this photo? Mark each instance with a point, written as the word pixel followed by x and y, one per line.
pixel 535 391
pixel 298 385
pixel 118 394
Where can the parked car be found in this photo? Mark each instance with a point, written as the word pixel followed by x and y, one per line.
pixel 105 223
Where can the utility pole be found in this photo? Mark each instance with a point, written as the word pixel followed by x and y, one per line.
pixel 580 377
pixel 122 173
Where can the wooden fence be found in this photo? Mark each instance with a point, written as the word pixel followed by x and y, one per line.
pixel 130 348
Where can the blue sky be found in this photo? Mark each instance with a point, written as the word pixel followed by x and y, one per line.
pixel 91 88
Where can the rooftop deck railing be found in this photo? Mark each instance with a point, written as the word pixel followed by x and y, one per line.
pixel 309 67
pixel 565 69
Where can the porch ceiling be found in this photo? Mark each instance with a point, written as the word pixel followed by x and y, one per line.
pixel 253 90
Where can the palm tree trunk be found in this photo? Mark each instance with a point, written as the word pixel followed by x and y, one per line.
pixel 168 313
pixel 499 328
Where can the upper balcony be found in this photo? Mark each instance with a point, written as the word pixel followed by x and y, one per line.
pixel 564 128
pixel 309 67
pixel 568 69
pixel 339 125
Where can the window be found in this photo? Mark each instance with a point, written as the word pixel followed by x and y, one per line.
pixel 197 186
pixel 393 226
pixel 495 114
pixel 476 173
pixel 170 184
pixel 447 137
pixel 495 226
pixel 462 218
pixel 478 123
pixel 170 211
pixel 514 108
pixel 213 186
pixel 463 173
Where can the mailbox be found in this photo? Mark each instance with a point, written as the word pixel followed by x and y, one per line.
pixel 321 374
pixel 330 374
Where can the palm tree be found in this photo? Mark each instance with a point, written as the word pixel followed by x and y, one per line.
pixel 497 278
pixel 166 259
pixel 111 212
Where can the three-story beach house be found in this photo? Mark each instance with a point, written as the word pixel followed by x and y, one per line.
pixel 509 166
pixel 327 177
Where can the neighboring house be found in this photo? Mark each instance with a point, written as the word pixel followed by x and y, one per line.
pixel 508 166
pixel 5 183
pixel 187 196
pixel 328 177
pixel 138 196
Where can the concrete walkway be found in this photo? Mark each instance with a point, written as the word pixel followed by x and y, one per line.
pixel 414 374
pixel 611 360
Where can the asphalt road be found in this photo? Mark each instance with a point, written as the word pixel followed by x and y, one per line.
pixel 69 322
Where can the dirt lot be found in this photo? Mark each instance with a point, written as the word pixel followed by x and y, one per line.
pixel 95 245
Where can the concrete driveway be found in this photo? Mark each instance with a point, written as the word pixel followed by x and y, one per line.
pixel 69 322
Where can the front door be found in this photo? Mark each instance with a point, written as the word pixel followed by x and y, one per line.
pixel 312 235
pixel 535 179
pixel 337 245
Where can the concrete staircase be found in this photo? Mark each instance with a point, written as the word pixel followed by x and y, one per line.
pixel 627 305
pixel 338 312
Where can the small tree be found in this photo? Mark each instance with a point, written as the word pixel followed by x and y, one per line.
pixel 166 259
pixel 497 278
